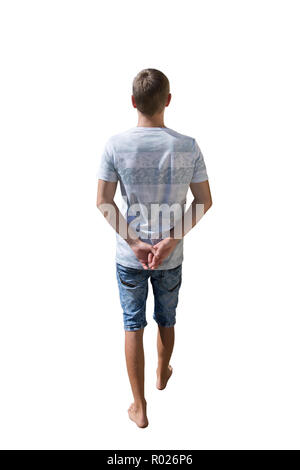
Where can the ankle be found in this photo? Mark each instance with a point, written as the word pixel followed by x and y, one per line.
pixel 162 370
pixel 140 404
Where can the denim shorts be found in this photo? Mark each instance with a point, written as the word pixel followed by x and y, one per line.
pixel 133 291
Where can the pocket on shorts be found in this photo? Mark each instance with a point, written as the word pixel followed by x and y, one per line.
pixel 126 283
pixel 131 277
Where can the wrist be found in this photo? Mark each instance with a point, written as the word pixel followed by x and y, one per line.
pixel 132 239
pixel 172 240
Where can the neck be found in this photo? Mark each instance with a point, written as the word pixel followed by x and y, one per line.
pixel 155 121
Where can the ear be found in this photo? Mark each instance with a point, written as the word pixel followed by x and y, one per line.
pixel 168 99
pixel 133 101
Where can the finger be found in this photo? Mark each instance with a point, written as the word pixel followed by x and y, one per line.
pixel 155 266
pixel 152 258
pixel 144 265
pixel 155 262
pixel 158 261
pixel 151 264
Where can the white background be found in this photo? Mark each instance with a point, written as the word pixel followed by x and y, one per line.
pixel 67 70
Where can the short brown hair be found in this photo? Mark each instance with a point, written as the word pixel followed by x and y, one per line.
pixel 150 89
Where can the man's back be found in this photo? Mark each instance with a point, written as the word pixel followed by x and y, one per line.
pixel 155 166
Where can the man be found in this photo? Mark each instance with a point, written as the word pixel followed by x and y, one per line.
pixel 155 166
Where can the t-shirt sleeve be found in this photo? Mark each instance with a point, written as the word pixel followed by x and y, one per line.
pixel 106 170
pixel 200 172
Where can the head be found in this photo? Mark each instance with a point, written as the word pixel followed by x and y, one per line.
pixel 150 92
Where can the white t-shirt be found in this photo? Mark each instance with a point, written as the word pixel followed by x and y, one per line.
pixel 155 166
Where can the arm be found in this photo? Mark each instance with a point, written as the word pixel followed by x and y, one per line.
pixel 106 204
pixel 199 206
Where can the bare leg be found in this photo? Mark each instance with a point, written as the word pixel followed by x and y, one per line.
pixel 135 362
pixel 165 344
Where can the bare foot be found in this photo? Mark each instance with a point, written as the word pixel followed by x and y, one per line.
pixel 138 415
pixel 162 381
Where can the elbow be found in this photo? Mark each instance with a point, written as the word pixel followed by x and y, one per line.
pixel 100 204
pixel 103 203
pixel 101 200
pixel 208 205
